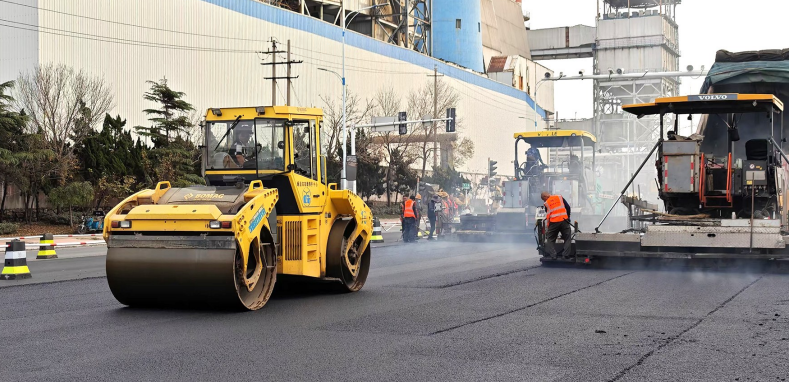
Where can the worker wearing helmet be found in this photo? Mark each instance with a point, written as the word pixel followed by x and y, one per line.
pixel 242 148
pixel 558 221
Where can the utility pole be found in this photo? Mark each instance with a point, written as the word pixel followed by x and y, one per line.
pixel 273 52
pixel 274 72
pixel 435 76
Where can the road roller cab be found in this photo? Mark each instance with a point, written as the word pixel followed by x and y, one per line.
pixel 266 209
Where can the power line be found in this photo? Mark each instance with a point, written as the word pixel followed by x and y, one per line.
pixel 121 41
pixel 359 68
pixel 115 40
pixel 175 31
pixel 131 25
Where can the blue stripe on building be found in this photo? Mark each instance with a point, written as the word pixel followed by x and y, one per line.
pixel 279 16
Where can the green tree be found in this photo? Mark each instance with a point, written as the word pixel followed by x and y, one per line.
pixel 404 179
pixel 24 157
pixel 448 179
pixel 75 194
pixel 170 119
pixel 174 156
pixel 370 175
pixel 11 130
pixel 111 160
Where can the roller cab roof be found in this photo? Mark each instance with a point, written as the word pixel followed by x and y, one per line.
pixel 248 113
pixel 707 104
pixel 557 138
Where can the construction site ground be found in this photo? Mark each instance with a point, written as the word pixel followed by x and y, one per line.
pixel 437 311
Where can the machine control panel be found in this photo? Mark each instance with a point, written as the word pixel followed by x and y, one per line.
pixel 755 173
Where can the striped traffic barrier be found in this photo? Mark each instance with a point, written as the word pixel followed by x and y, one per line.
pixel 15 265
pixel 46 247
pixel 377 236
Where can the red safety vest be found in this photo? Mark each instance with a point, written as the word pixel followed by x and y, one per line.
pixel 408 210
pixel 555 208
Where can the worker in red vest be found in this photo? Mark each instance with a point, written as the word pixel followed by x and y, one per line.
pixel 409 220
pixel 558 221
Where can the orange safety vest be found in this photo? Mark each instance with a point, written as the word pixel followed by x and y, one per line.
pixel 408 210
pixel 556 211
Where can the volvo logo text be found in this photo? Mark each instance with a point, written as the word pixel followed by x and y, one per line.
pixel 712 97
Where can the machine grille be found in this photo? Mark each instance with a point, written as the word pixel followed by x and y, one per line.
pixel 292 240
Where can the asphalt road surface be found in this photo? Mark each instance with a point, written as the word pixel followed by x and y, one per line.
pixel 431 311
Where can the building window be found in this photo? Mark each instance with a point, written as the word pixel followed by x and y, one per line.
pixel 457 23
pixel 479 27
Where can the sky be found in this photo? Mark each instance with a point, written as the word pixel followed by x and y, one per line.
pixel 704 27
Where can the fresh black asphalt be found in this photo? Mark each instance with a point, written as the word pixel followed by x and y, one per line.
pixel 431 311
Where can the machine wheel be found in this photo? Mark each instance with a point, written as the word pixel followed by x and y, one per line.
pixel 81 229
pixel 255 286
pixel 351 270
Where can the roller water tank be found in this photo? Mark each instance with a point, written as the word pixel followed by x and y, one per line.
pixel 457 32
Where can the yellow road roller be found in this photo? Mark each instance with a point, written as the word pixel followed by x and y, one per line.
pixel 266 210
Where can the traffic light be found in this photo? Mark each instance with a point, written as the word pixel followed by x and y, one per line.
pixel 451 122
pixel 492 168
pixel 403 127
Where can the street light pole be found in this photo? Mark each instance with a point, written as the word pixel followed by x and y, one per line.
pixel 343 179
pixel 536 88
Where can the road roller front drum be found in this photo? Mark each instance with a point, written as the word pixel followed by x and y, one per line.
pixel 190 271
pixel 347 261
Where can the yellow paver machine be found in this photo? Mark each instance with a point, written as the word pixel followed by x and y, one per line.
pixel 568 173
pixel 266 210
pixel 723 188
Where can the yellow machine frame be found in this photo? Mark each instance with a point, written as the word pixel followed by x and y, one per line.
pixel 320 232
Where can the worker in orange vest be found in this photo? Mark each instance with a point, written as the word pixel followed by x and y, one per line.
pixel 409 220
pixel 558 221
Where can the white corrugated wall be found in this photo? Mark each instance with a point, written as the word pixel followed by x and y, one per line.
pixel 212 59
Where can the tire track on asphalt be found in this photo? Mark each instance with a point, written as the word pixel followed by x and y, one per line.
pixel 671 339
pixel 44 283
pixel 528 306
pixel 481 278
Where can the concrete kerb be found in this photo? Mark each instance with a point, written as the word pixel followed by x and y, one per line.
pixel 37 245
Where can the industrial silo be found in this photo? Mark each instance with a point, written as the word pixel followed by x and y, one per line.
pixel 457 32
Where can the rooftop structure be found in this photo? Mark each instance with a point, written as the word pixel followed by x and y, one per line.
pixel 637 39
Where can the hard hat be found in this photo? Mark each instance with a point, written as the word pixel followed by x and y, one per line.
pixel 419 196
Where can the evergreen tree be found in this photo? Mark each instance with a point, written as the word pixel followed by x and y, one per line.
pixel 24 159
pixel 169 121
pixel 448 179
pixel 173 156
pixel 11 131
pixel 111 160
pixel 370 174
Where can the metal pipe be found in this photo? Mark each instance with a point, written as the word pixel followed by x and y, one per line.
pixel 659 143
pixel 775 144
pixel 343 178
pixel 353 152
pixel 631 76
pixel 753 193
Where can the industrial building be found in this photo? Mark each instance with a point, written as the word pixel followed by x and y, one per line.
pixel 212 50
pixel 630 38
